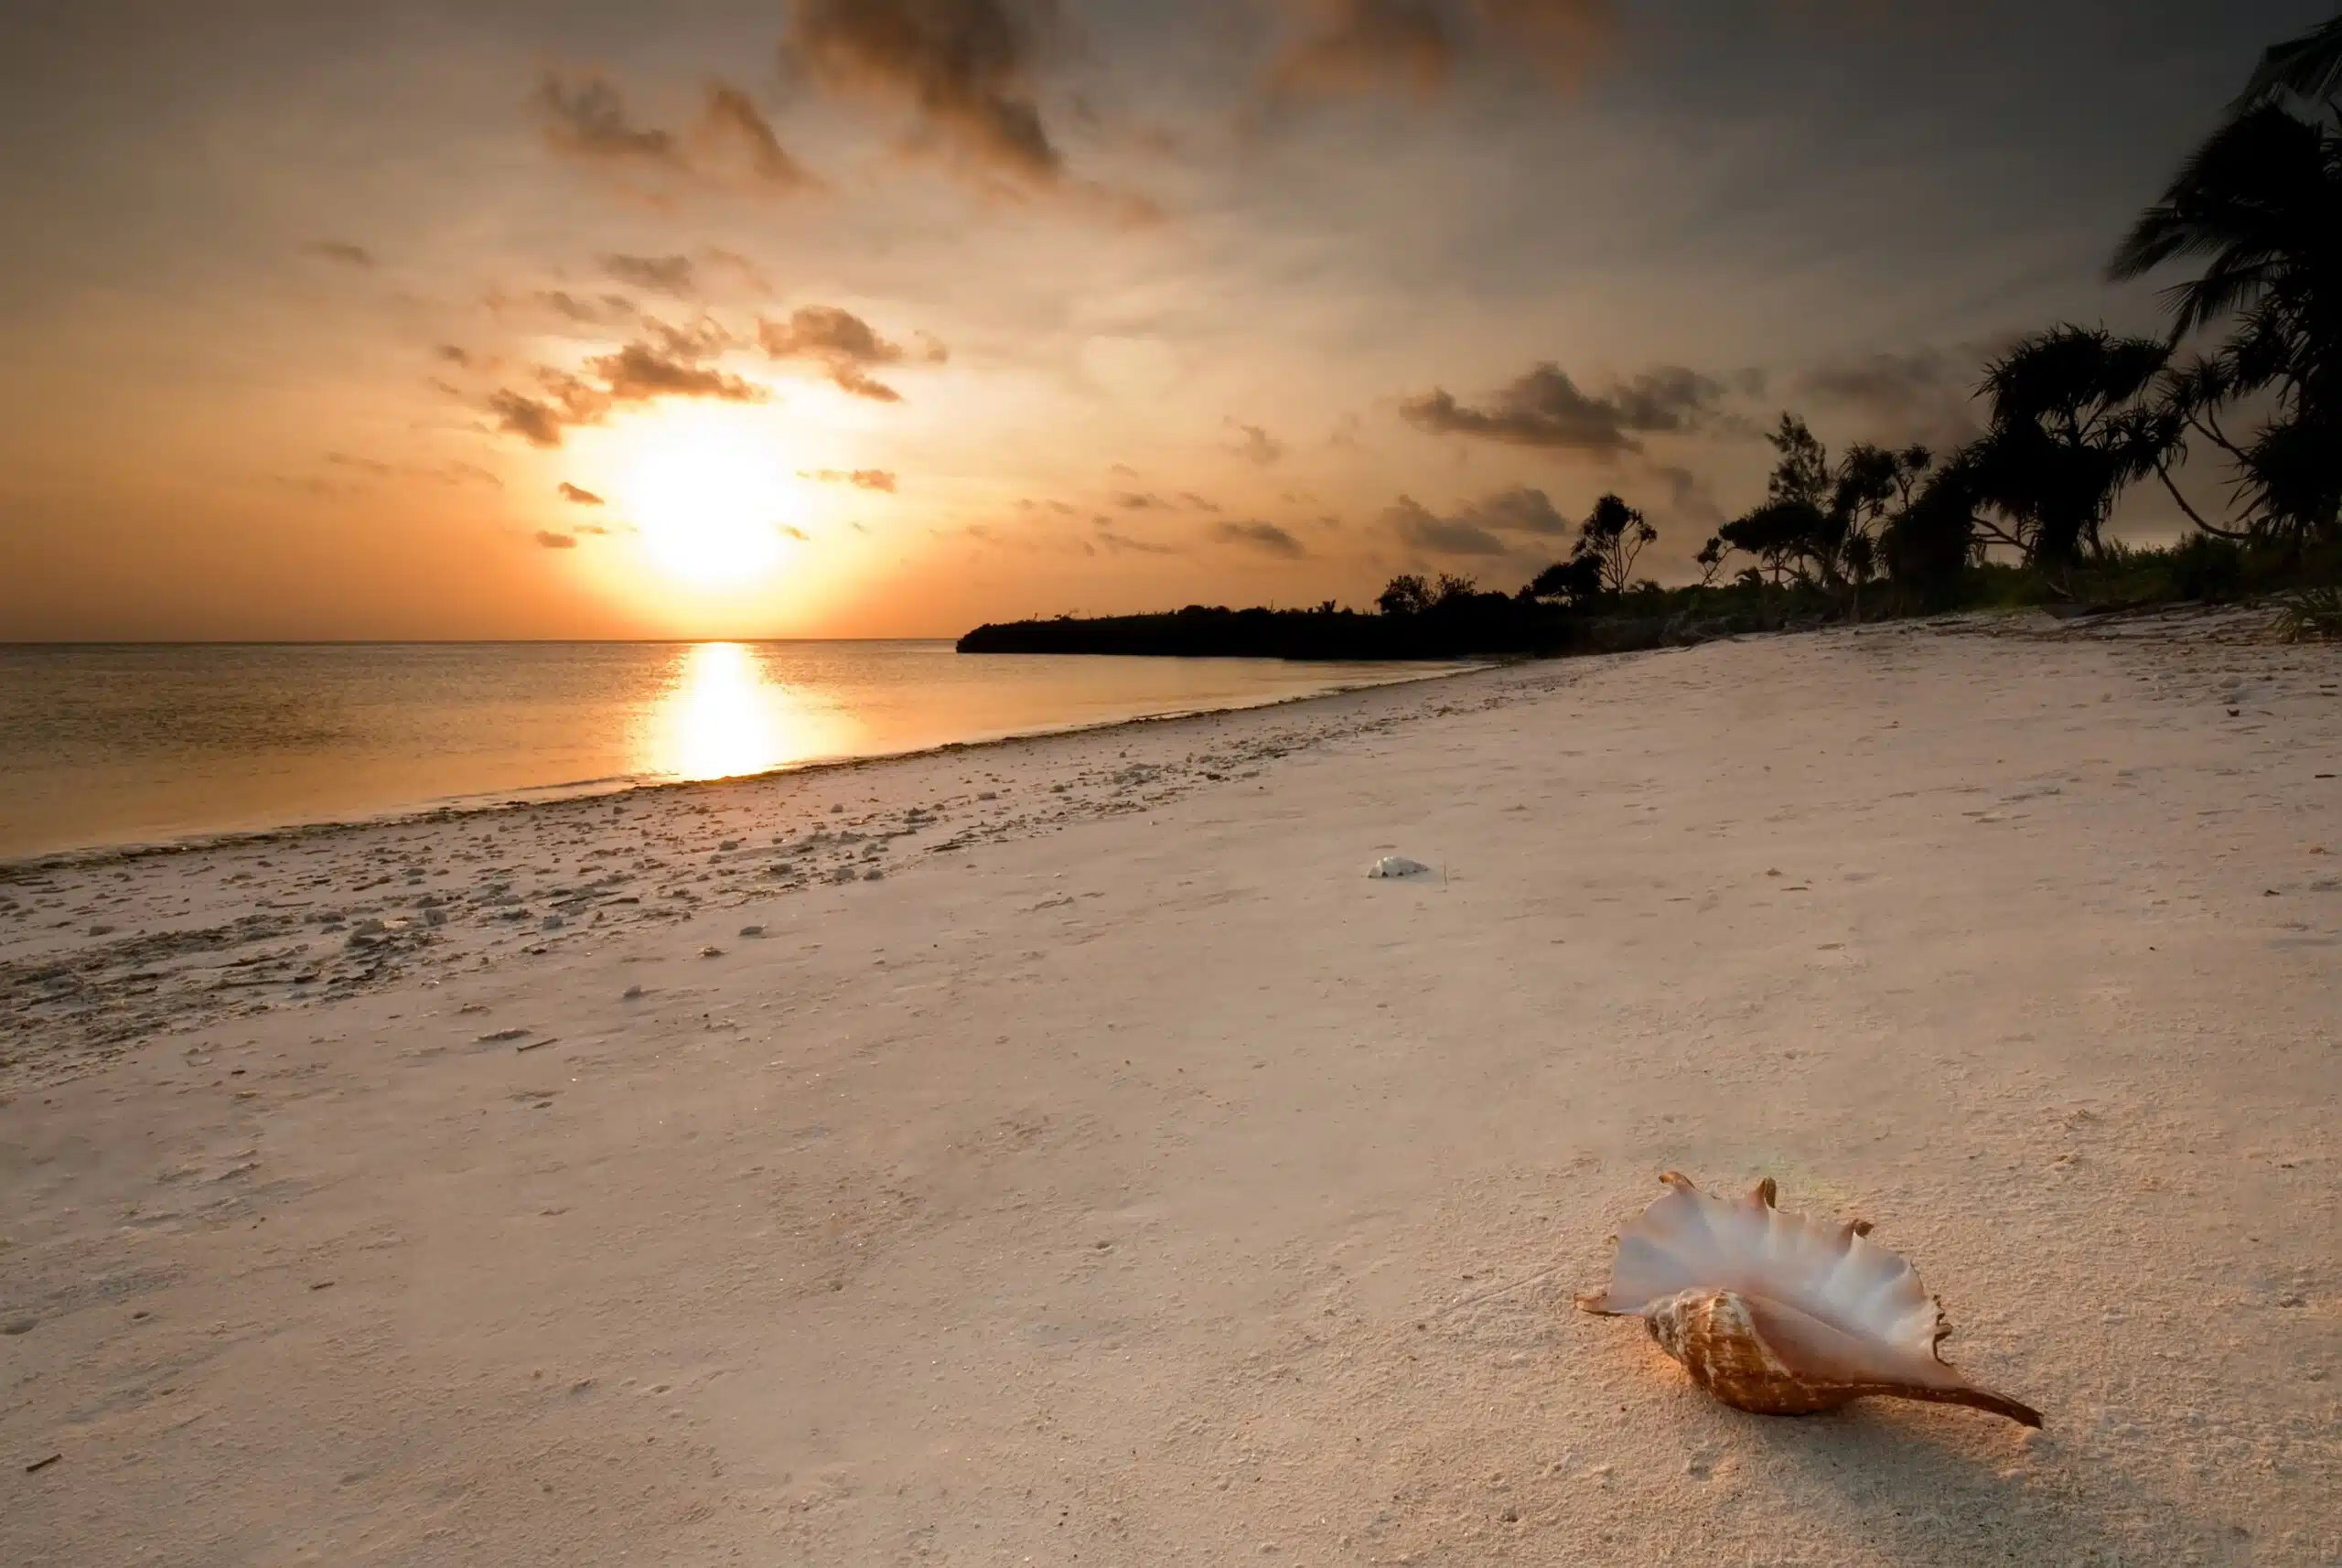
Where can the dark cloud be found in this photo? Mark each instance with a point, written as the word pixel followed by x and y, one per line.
pixel 1496 524
pixel 1688 498
pixel 1264 536
pixel 1258 445
pixel 838 341
pixel 661 274
pixel 589 121
pixel 860 478
pixel 1421 528
pixel 732 118
pixel 1928 394
pixel 340 251
pixel 537 422
pixel 570 492
pixel 962 67
pixel 453 355
pixel 1136 500
pixel 638 373
pixel 1546 408
pixel 1416 46
pixel 552 540
pixel 1190 497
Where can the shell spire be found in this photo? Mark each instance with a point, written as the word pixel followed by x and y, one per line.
pixel 1781 1314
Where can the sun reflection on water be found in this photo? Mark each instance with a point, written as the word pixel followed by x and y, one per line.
pixel 721 718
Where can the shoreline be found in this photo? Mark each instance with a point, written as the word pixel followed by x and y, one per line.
pixel 1062 1147
pixel 13 867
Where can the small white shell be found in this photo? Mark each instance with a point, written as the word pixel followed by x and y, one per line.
pixel 1781 1314
pixel 1398 865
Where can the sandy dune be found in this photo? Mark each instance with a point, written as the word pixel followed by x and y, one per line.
pixel 1123 1177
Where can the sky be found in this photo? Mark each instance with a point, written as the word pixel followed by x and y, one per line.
pixel 574 318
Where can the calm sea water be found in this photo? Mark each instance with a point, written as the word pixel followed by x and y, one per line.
pixel 115 745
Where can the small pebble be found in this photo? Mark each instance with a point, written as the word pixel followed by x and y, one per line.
pixel 710 950
pixel 752 930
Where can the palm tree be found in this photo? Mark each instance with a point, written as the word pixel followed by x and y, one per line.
pixel 2308 66
pixel 2261 203
pixel 2070 429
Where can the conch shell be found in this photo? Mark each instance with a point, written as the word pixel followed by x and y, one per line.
pixel 1780 1315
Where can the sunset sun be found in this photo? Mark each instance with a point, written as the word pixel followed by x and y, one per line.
pixel 711 495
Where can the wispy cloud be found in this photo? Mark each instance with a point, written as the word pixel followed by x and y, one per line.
pixel 552 540
pixel 860 478
pixel 661 274
pixel 1496 524
pixel 1546 408
pixel 1262 536
pixel 577 495
pixel 638 373
pixel 1257 445
pixel 1417 46
pixel 732 119
pixel 588 120
pixel 342 251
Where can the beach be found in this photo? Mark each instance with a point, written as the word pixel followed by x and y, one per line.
pixel 1060 1150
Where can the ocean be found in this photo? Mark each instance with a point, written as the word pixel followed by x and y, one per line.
pixel 112 744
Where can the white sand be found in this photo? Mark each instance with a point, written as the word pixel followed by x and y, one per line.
pixel 1135 1181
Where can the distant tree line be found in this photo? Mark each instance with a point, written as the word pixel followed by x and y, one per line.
pixel 2248 373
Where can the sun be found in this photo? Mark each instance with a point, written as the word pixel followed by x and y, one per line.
pixel 710 492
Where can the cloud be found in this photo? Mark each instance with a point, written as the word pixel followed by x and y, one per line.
pixel 1123 543
pixel 1201 503
pixel 453 355
pixel 1135 500
pixel 701 339
pixel 637 373
pixel 363 465
pixel 1264 536
pixel 589 122
pixel 1417 46
pixel 1928 394
pixel 1477 528
pixel 1258 445
pixel 555 541
pixel 732 118
pixel 740 266
pixel 340 251
pixel 860 478
pixel 1688 498
pixel 531 419
pixel 602 310
pixel 1544 408
pixel 962 67
pixel 838 341
pixel 661 274
pixel 791 530
pixel 570 492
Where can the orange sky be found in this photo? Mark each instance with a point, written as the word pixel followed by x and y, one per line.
pixel 852 317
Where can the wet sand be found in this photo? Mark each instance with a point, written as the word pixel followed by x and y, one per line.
pixel 1060 1150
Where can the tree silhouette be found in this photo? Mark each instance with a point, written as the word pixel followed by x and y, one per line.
pixel 1613 537
pixel 2261 203
pixel 2308 66
pixel 1821 523
pixel 2070 429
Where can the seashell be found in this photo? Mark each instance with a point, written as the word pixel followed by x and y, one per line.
pixel 1781 1314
